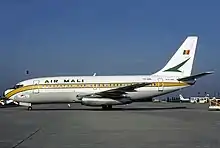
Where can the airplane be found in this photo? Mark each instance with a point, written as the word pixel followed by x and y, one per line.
pixel 107 91
pixel 182 99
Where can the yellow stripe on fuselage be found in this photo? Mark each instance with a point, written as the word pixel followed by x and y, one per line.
pixel 22 89
pixel 89 85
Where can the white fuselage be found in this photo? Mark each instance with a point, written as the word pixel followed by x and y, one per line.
pixel 66 89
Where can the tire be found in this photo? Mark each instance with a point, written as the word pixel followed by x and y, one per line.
pixel 29 108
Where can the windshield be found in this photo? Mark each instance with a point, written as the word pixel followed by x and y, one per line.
pixel 17 86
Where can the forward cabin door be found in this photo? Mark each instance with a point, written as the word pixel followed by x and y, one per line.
pixel 160 84
pixel 36 86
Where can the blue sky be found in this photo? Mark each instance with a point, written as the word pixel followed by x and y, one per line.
pixel 80 37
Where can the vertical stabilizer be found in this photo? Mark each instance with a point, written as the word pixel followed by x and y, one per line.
pixel 182 61
pixel 181 97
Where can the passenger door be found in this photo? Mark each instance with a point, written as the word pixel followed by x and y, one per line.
pixel 36 89
pixel 160 84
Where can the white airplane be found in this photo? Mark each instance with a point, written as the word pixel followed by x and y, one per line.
pixel 106 91
pixel 182 99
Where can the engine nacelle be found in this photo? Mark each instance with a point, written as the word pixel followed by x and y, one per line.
pixel 104 101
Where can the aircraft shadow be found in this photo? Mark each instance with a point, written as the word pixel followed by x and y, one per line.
pixel 9 106
pixel 113 109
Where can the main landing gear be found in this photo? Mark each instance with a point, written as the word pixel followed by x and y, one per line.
pixel 29 107
pixel 105 107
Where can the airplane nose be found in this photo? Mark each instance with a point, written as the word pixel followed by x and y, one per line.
pixel 6 92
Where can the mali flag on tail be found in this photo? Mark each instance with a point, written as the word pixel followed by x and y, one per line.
pixel 186 52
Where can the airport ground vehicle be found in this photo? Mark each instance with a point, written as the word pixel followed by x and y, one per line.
pixel 199 100
pixel 214 104
pixel 7 102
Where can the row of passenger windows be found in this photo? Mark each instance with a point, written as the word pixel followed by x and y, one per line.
pixel 87 85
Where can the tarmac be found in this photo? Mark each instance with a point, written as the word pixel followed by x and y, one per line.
pixel 137 125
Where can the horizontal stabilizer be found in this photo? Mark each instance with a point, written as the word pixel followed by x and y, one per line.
pixel 194 77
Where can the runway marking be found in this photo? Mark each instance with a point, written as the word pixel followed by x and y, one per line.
pixel 29 136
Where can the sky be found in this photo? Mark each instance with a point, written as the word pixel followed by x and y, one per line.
pixel 114 37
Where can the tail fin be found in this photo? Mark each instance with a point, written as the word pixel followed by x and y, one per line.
pixel 182 61
pixel 181 97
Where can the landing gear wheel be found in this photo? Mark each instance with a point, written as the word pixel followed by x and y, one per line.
pixel 104 107
pixel 29 107
pixel 109 106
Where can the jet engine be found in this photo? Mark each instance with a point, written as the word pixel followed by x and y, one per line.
pixel 104 101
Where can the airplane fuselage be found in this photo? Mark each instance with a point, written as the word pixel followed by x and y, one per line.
pixel 67 89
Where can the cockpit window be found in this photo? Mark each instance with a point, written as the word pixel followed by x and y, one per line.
pixel 17 86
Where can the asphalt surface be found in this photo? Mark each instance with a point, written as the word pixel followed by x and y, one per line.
pixel 139 125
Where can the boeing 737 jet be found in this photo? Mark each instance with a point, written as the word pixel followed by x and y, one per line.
pixel 106 91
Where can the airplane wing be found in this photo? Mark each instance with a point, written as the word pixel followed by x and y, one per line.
pixel 117 92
